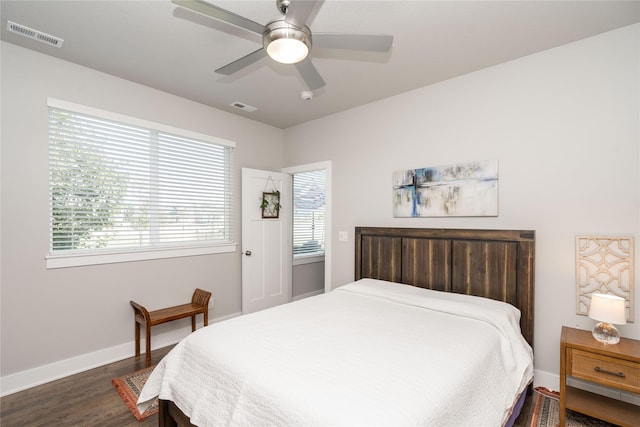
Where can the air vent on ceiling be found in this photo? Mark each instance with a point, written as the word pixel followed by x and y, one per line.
pixel 34 34
pixel 243 106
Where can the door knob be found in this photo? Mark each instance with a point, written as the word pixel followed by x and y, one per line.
pixel 247 253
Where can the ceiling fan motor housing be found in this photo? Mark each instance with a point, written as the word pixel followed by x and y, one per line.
pixel 285 42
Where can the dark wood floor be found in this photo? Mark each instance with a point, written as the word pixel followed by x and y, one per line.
pixel 84 399
pixel 89 399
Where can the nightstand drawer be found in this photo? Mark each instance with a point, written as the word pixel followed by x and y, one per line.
pixel 605 370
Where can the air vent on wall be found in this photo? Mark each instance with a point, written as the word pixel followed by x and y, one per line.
pixel 242 106
pixel 34 34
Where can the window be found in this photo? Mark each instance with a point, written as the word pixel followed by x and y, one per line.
pixel 308 213
pixel 120 185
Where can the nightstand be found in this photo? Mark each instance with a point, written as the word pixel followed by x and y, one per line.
pixel 617 366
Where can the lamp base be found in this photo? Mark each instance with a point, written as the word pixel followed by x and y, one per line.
pixel 606 333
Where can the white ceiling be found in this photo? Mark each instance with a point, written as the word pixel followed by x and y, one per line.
pixel 161 45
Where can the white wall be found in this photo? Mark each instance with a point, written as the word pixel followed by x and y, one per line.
pixel 307 279
pixel 56 321
pixel 564 126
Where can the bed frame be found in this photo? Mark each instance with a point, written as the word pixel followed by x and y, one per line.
pixel 496 264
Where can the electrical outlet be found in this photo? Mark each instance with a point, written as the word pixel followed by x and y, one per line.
pixel 211 302
pixel 343 236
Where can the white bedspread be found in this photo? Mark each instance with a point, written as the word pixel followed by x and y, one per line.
pixel 370 353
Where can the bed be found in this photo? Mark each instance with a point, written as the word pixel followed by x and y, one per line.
pixel 436 329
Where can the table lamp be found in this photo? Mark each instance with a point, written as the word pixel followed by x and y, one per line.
pixel 607 309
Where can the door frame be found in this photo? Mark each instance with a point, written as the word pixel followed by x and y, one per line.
pixel 326 165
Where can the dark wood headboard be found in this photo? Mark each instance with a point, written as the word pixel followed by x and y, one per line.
pixel 496 264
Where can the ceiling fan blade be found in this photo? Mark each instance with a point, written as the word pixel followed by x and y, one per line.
pixel 301 11
pixel 220 14
pixel 368 42
pixel 243 62
pixel 309 74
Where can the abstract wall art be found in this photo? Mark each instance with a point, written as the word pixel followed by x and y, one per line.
pixel 464 189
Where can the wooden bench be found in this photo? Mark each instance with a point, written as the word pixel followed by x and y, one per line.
pixel 199 304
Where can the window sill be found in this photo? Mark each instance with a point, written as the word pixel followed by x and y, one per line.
pixel 308 259
pixel 78 260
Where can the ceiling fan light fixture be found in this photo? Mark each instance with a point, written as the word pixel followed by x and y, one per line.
pixel 286 43
pixel 287 51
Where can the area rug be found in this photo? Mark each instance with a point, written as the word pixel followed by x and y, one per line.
pixel 129 387
pixel 546 412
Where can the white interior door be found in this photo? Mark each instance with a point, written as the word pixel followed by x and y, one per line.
pixel 266 242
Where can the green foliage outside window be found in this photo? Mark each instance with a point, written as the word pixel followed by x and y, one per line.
pixel 86 198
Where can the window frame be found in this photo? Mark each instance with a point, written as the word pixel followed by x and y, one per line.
pixel 89 257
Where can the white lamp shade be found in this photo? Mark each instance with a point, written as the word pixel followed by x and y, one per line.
pixel 607 308
pixel 287 51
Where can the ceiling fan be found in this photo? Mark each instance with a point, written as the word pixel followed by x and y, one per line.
pixel 288 39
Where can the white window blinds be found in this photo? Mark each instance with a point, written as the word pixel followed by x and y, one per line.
pixel 117 186
pixel 308 213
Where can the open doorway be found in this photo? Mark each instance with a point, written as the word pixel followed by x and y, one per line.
pixel 311 235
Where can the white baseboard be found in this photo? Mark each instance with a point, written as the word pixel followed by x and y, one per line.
pixel 307 295
pixel 23 380
pixel 546 379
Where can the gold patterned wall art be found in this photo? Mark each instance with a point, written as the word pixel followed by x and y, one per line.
pixel 604 264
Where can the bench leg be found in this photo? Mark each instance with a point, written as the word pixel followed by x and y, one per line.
pixel 137 327
pixel 206 318
pixel 193 323
pixel 147 359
